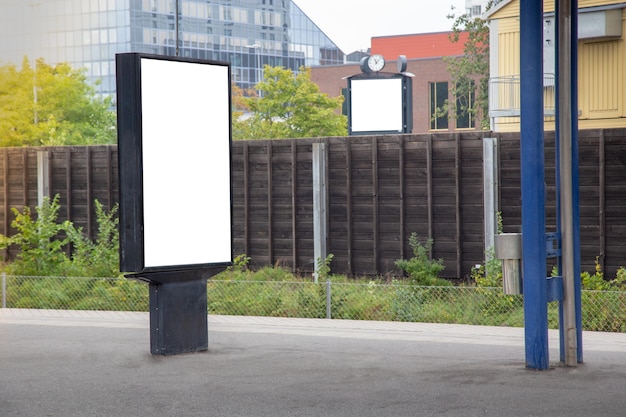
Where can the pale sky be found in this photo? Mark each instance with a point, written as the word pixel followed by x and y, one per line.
pixel 351 24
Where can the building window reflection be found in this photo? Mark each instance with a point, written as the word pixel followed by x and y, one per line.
pixel 89 34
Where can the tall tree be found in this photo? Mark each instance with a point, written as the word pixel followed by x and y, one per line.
pixel 51 105
pixel 289 106
pixel 470 72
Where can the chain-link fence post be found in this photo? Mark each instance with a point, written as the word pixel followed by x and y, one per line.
pixel 4 290
pixel 328 299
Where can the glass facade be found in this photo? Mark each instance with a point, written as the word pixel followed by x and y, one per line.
pixel 88 33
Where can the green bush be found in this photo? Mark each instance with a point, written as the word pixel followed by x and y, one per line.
pixel 42 241
pixel 490 274
pixel 44 244
pixel 422 270
pixel 99 258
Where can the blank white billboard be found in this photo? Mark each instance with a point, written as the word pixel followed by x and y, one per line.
pixel 186 165
pixel 376 105
pixel 174 144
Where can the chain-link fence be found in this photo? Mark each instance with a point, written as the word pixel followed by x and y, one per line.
pixel 73 293
pixel 602 310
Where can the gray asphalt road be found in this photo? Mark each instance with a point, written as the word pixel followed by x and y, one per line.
pixel 55 363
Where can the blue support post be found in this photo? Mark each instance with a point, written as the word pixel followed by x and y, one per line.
pixel 533 185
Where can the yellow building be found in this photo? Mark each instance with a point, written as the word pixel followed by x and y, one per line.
pixel 601 55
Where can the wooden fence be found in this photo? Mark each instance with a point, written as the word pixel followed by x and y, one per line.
pixel 79 174
pixel 380 190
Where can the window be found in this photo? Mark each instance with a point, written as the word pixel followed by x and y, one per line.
pixel 240 15
pixel 474 11
pixel 438 97
pixel 226 13
pixel 465 103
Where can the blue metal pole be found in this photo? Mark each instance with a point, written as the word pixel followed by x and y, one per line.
pixel 533 185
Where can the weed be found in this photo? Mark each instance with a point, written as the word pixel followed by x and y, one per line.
pixel 41 241
pixel 322 270
pixel 421 268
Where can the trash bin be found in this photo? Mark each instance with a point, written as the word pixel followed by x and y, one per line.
pixel 508 248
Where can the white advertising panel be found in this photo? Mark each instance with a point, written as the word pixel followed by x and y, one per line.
pixel 185 127
pixel 376 105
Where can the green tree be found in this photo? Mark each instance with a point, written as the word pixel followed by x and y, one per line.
pixel 50 105
pixel 290 106
pixel 470 72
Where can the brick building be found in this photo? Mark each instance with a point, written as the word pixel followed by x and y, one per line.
pixel 431 81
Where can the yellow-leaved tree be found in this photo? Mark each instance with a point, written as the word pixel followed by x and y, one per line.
pixel 45 105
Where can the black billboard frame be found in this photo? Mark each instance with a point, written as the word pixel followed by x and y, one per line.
pixel 178 297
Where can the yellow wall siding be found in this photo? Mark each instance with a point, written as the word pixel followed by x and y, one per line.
pixel 509 10
pixel 508 53
pixel 508 25
pixel 602 123
pixel 508 64
pixel 601 71
pixel 601 74
pixel 592 3
pixel 548 126
pixel 548 5
pixel 512 8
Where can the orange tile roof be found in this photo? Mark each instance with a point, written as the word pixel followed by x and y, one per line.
pixel 423 45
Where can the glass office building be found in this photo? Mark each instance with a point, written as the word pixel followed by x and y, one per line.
pixel 88 33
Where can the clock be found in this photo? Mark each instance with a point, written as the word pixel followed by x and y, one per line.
pixel 402 63
pixel 363 64
pixel 375 63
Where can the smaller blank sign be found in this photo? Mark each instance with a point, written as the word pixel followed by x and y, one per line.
pixel 376 105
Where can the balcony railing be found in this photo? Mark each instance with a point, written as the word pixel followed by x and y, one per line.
pixel 504 96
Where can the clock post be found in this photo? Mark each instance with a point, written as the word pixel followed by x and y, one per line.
pixel 380 102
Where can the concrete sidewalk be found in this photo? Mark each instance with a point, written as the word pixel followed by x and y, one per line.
pixel 77 363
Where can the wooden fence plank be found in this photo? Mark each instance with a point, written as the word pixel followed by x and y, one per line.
pixel 88 167
pixel 401 189
pixel 246 197
pixel 24 155
pixel 459 204
pixel 294 206
pixel 7 207
pixel 602 202
pixel 349 235
pixel 375 202
pixel 68 182
pixel 429 187
pixel 270 206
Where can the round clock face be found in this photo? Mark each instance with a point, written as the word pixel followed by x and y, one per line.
pixel 376 62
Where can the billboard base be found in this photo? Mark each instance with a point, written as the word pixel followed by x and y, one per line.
pixel 178 310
